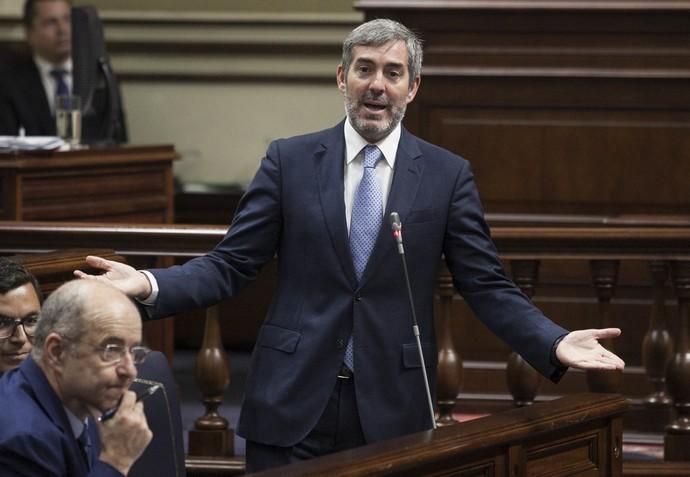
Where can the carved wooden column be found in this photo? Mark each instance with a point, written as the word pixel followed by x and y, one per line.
pixel 657 345
pixel 211 436
pixel 449 373
pixel 677 438
pixel 604 278
pixel 522 379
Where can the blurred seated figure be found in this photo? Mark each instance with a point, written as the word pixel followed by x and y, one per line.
pixel 29 84
pixel 86 344
pixel 20 303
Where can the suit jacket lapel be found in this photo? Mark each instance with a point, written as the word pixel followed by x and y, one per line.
pixel 330 167
pixel 53 407
pixel 34 92
pixel 409 165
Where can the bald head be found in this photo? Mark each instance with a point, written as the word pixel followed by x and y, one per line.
pixel 83 308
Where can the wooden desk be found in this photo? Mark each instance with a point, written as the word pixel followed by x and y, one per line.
pixel 578 435
pixel 119 184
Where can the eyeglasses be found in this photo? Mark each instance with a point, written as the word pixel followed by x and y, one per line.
pixel 114 353
pixel 9 325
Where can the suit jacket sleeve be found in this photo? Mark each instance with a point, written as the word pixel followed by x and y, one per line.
pixel 478 275
pixel 250 242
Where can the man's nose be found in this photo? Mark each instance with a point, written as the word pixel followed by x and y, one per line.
pixel 377 83
pixel 126 366
pixel 19 335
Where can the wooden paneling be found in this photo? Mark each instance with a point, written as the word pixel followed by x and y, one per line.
pixel 560 106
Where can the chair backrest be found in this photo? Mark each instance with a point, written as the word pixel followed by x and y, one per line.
pixel 165 454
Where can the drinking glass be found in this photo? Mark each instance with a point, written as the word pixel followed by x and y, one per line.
pixel 68 119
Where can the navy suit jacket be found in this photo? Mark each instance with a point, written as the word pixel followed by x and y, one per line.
pixel 294 208
pixel 23 100
pixel 36 438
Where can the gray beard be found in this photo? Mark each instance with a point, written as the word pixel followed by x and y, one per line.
pixel 372 132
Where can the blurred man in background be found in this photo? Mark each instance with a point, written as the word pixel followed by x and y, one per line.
pixel 31 83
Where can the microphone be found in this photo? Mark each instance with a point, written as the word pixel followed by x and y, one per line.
pixel 396 226
pixel 110 413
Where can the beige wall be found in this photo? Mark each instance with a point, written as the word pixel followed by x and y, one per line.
pixel 222 82
pixel 222 130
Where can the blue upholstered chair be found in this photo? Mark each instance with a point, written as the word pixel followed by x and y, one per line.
pixel 165 454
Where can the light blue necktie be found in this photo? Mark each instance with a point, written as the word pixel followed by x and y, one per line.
pixel 61 88
pixel 367 216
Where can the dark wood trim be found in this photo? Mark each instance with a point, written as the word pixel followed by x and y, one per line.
pixel 624 242
pixel 530 5
pixel 509 443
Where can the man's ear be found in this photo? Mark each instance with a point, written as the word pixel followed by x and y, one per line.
pixel 412 91
pixel 340 78
pixel 54 350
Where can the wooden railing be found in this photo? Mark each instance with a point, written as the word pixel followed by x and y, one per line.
pixel 525 243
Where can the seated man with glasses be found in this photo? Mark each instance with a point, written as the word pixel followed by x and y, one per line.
pixel 20 302
pixel 85 345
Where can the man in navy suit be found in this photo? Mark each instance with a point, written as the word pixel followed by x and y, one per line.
pixel 304 396
pixel 86 344
pixel 28 88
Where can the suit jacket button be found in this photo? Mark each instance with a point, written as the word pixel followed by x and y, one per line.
pixel 358 298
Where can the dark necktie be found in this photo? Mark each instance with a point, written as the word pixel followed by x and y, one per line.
pixel 367 216
pixel 85 445
pixel 61 88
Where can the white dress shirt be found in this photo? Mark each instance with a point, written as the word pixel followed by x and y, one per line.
pixel 354 143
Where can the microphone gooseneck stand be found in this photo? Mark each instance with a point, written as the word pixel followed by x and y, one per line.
pixel 396 225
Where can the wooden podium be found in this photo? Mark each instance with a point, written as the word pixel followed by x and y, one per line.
pixel 119 184
pixel 115 184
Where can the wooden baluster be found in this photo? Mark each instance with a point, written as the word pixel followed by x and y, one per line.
pixel 211 435
pixel 605 278
pixel 677 437
pixel 657 345
pixel 522 379
pixel 449 373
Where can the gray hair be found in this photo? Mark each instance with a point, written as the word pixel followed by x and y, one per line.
pixel 379 32
pixel 62 313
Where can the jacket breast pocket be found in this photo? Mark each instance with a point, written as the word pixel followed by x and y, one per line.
pixel 410 355
pixel 278 338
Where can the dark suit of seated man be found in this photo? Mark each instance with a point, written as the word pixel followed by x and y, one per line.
pixel 86 345
pixel 20 303
pixel 29 84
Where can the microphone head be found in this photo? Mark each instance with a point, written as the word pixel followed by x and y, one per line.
pixel 395 222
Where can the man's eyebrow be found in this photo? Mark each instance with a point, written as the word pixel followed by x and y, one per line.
pixel 30 314
pixel 114 340
pixel 390 64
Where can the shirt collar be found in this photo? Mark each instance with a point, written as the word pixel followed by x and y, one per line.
pixel 74 422
pixel 354 144
pixel 45 67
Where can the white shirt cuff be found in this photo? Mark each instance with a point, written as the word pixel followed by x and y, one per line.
pixel 151 299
